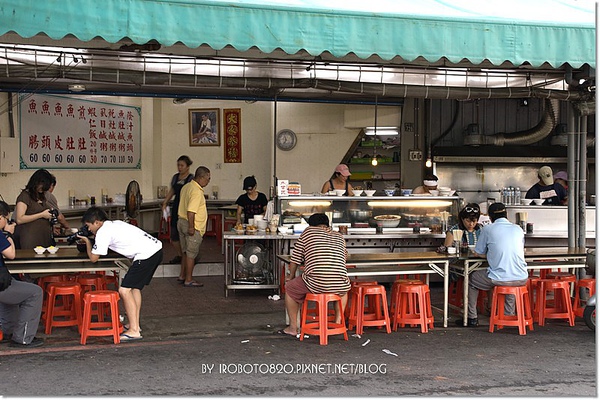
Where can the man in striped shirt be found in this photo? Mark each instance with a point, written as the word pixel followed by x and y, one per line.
pixel 323 253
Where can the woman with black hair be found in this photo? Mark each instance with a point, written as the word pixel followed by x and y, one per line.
pixel 32 213
pixel 468 219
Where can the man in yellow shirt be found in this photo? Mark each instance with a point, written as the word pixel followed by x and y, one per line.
pixel 192 222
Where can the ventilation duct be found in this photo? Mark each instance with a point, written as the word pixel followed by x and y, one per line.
pixel 529 136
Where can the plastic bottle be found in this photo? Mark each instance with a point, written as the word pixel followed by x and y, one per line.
pixel 518 196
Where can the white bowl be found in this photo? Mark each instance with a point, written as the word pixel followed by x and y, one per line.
pixel 525 202
pixel 39 249
pixel 443 189
pixel 357 192
pixel 538 201
pixel 339 192
pixel 434 192
pixel 389 192
pixel 370 192
pixel 284 230
pixel 52 249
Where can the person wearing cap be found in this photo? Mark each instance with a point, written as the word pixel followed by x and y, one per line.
pixel 323 253
pixel 553 193
pixel 503 244
pixel 339 181
pixel 429 183
pixel 252 202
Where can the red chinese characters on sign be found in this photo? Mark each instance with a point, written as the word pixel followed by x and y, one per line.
pixel 233 135
pixel 70 133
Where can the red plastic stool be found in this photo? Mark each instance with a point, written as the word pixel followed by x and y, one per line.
pixel 92 282
pixel 582 284
pixel 164 232
pixel 522 318
pixel 395 292
pixel 322 327
pixel 214 228
pixel 563 276
pixel 482 299
pixel 562 309
pixel 361 319
pixel 111 328
pixel 456 292
pixel 533 287
pixel 352 297
pixel 72 313
pixel 412 305
pixel 43 283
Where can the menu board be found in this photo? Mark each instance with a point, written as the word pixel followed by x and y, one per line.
pixel 64 132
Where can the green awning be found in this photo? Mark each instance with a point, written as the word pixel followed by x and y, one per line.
pixel 518 31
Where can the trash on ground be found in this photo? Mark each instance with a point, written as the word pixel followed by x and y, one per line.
pixel 386 351
pixel 366 343
pixel 275 297
pixel 356 335
pixel 244 341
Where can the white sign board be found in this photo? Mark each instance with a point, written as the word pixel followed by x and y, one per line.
pixel 64 132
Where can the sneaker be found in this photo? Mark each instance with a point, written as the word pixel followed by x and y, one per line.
pixel 176 260
pixel 471 322
pixel 36 342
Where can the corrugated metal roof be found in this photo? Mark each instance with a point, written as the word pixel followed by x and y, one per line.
pixel 533 31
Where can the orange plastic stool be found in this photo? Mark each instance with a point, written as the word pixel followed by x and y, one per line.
pixel 43 283
pixel 164 232
pixel 590 285
pixel 533 286
pixel 395 292
pixel 92 282
pixel 111 328
pixel 456 292
pixel 72 313
pixel 562 276
pixel 412 305
pixel 214 228
pixel 322 327
pixel 522 318
pixel 562 309
pixel 361 319
pixel 352 297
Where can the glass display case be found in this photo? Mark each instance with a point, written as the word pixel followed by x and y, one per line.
pixel 363 212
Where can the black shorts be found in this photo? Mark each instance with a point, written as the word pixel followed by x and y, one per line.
pixel 141 271
pixel 174 231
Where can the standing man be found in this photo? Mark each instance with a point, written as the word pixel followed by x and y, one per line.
pixel 552 192
pixel 504 244
pixel 192 222
pixel 20 302
pixel 144 249
pixel 323 253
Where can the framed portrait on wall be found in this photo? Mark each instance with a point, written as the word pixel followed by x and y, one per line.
pixel 205 127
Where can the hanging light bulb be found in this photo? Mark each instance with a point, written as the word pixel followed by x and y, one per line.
pixel 374 161
pixel 428 163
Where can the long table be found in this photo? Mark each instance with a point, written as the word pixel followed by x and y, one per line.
pixel 536 258
pixel 66 260
pixel 391 264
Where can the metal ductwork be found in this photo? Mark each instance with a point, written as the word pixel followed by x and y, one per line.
pixel 529 136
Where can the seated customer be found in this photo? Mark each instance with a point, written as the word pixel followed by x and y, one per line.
pixel 323 253
pixel 20 302
pixel 467 222
pixel 504 245
pixel 553 193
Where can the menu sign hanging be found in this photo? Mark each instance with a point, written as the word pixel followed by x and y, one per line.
pixel 64 132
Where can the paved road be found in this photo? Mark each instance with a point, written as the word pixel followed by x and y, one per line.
pixel 247 358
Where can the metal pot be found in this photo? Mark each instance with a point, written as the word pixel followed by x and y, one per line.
pixel 360 215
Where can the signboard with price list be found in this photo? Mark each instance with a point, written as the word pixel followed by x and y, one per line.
pixel 64 132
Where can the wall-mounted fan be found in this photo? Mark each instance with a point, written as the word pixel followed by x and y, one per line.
pixel 133 200
pixel 252 264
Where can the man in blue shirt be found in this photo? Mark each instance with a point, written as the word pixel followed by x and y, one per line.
pixel 504 244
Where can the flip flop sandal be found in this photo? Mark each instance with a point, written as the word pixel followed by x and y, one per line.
pixel 127 338
pixel 284 333
pixel 193 284
pixel 180 280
